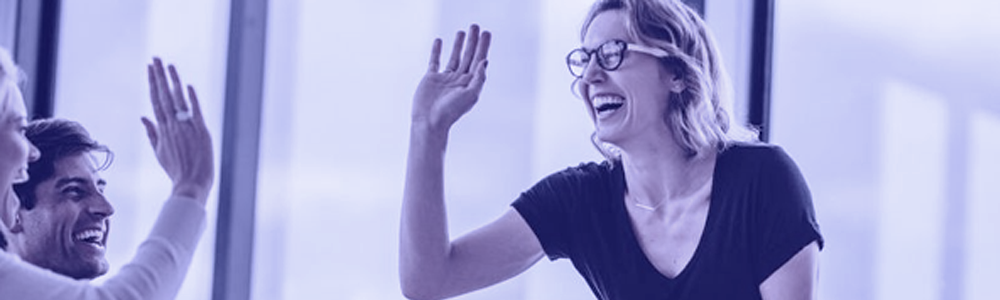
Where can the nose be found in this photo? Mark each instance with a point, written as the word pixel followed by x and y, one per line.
pixel 99 206
pixel 33 152
pixel 593 72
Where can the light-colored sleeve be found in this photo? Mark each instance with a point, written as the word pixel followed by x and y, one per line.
pixel 156 272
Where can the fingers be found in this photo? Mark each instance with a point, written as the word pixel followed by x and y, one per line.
pixel 164 88
pixel 476 45
pixel 154 96
pixel 168 98
pixel 435 61
pixel 456 50
pixel 164 95
pixel 195 106
pixel 150 132
pixel 484 46
pixel 178 90
pixel 479 75
pixel 470 50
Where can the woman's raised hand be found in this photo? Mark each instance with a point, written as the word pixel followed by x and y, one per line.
pixel 443 96
pixel 179 137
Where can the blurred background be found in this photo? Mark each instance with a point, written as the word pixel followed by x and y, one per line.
pixel 891 108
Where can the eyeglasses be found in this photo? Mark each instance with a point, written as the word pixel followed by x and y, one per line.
pixel 609 56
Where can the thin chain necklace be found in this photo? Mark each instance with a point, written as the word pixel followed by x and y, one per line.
pixel 653 208
pixel 644 206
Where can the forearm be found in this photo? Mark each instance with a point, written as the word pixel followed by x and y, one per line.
pixel 162 261
pixel 424 240
pixel 155 273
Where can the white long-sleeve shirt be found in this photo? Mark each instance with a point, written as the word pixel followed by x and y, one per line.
pixel 156 271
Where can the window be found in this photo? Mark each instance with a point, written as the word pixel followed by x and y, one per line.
pixel 340 81
pixel 889 108
pixel 101 83
pixel 8 23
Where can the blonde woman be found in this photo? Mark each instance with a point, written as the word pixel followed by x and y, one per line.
pixel 183 147
pixel 686 206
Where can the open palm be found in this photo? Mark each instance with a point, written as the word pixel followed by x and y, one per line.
pixel 179 137
pixel 444 96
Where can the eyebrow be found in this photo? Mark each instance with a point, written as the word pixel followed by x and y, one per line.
pixel 78 180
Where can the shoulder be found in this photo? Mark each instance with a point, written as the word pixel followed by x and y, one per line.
pixel 573 183
pixel 585 172
pixel 765 170
pixel 589 169
pixel 743 151
pixel 756 157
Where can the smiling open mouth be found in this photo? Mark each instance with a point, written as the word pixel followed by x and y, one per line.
pixel 608 107
pixel 93 237
pixel 607 103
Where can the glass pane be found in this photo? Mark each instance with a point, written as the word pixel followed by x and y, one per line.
pixel 101 83
pixel 8 23
pixel 336 128
pixel 884 105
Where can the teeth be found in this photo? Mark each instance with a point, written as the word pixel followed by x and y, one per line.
pixel 605 103
pixel 607 99
pixel 92 235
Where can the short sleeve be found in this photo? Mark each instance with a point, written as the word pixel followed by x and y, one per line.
pixel 548 206
pixel 785 219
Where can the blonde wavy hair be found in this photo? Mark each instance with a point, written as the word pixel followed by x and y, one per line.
pixel 10 76
pixel 700 117
pixel 9 73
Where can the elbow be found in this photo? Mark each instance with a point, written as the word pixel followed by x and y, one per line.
pixel 415 295
pixel 416 290
pixel 424 284
pixel 423 276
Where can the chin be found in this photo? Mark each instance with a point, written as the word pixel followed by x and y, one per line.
pixel 21 176
pixel 101 268
pixel 91 270
pixel 607 136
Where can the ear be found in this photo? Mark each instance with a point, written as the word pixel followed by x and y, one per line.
pixel 677 84
pixel 18 226
pixel 671 73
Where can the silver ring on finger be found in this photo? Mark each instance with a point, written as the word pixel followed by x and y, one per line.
pixel 183 115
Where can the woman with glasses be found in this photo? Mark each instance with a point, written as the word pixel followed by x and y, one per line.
pixel 183 147
pixel 687 204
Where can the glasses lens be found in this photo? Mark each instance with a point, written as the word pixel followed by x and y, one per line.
pixel 577 61
pixel 609 55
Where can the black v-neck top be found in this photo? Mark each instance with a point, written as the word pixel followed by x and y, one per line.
pixel 760 215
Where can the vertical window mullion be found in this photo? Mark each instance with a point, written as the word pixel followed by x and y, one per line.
pixel 240 149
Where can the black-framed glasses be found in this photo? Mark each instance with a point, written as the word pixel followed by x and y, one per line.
pixel 609 56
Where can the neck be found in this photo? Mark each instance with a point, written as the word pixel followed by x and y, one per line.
pixel 658 174
pixel 8 207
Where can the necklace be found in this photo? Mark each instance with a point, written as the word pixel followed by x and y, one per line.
pixel 652 208
pixel 644 206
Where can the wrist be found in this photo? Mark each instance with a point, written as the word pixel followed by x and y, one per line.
pixel 192 191
pixel 424 128
pixel 424 135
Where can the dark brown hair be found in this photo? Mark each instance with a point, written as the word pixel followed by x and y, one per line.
pixel 56 139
